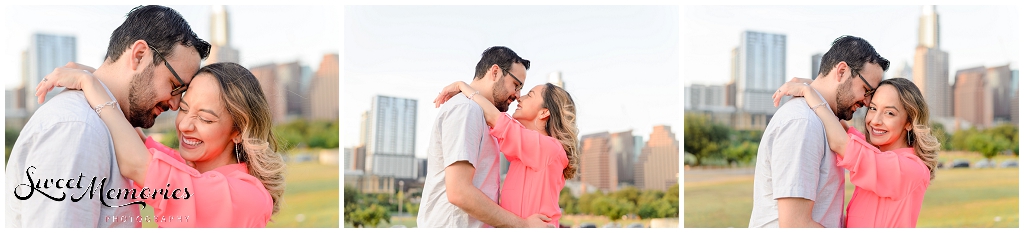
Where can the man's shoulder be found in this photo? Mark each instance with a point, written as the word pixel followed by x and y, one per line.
pixel 67 107
pixel 794 109
pixel 461 107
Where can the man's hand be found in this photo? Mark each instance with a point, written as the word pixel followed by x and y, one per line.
pixel 539 221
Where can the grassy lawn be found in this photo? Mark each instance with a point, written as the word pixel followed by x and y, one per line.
pixel 956 198
pixel 311 198
pixel 571 220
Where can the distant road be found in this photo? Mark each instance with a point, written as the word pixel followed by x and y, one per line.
pixel 716 174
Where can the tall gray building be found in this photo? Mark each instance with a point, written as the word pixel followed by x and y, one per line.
pixel 762 69
pixel 931 66
pixel 220 35
pixel 391 139
pixel 816 65
pixel 623 149
pixel 45 53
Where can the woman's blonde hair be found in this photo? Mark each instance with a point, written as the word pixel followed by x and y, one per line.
pixel 244 99
pixel 925 144
pixel 561 125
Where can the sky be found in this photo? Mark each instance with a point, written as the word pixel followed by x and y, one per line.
pixel 290 33
pixel 971 35
pixel 619 63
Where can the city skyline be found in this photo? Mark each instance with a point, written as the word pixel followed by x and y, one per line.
pixel 305 42
pixel 606 56
pixel 972 35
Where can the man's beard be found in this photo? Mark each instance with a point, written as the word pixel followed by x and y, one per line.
pixel 844 101
pixel 497 92
pixel 142 99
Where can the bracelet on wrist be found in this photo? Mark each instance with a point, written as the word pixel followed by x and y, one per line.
pixel 99 107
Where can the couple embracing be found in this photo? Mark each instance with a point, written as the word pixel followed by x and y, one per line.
pixel 226 173
pixel 799 177
pixel 539 141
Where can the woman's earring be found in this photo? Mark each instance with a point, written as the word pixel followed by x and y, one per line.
pixel 238 152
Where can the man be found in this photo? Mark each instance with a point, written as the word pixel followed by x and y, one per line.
pixel 461 188
pixel 797 182
pixel 150 61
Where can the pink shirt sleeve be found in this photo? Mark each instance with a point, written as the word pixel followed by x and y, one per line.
pixel 213 199
pixel 519 143
pixel 870 168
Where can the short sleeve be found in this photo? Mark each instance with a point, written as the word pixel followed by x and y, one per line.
pixel 462 130
pixel 796 157
pixel 64 149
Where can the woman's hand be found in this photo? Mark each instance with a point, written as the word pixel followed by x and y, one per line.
pixel 449 91
pixel 72 76
pixel 796 87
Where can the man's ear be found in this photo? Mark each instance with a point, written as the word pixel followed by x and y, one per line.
pixel 495 72
pixel 841 70
pixel 136 53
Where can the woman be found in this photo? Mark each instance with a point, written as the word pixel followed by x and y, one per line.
pixel 542 152
pixel 893 165
pixel 227 159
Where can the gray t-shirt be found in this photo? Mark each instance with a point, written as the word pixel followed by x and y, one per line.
pixel 460 134
pixel 65 139
pixel 794 160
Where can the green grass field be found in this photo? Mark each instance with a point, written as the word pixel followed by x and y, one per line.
pixel 956 198
pixel 568 220
pixel 310 198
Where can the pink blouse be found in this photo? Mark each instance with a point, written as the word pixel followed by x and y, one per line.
pixel 534 177
pixel 890 184
pixel 224 197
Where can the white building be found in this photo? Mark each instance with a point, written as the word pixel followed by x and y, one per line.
pixel 762 69
pixel 45 53
pixel 391 139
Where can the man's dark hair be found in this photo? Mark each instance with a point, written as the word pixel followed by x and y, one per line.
pixel 500 55
pixel 161 27
pixel 855 51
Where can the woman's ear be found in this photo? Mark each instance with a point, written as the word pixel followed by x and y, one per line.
pixel 236 136
pixel 544 114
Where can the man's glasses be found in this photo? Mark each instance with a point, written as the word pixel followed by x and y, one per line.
pixel 179 89
pixel 519 86
pixel 871 90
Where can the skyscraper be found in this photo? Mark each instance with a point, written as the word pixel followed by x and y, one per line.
pixel 816 65
pixel 220 35
pixel 391 143
pixel 762 69
pixel 622 148
pixel 658 167
pixel 931 66
pixel 46 52
pixel 270 83
pixel 290 77
pixel 556 78
pixel 598 168
pixel 323 90
pixel 973 101
pixel 998 80
pixel 928 27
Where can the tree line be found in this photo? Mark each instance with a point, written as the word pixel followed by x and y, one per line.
pixel 708 141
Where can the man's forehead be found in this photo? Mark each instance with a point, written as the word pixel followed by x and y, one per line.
pixel 188 59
